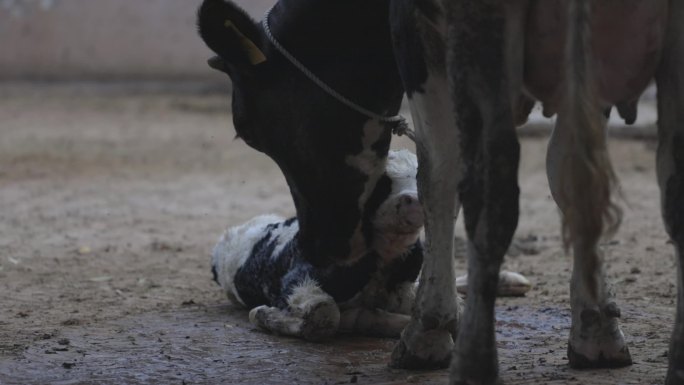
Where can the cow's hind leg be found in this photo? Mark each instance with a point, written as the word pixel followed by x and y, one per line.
pixel 482 88
pixel 311 314
pixel 670 81
pixel 581 181
pixel 418 33
pixel 595 336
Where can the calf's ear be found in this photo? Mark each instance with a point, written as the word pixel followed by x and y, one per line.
pixel 231 34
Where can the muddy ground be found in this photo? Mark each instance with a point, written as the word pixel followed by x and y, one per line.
pixel 111 200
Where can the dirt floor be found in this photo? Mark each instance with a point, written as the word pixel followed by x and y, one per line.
pixel 110 202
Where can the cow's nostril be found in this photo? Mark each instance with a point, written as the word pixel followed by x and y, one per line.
pixel 407 200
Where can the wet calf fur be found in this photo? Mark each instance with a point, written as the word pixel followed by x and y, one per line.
pixel 258 266
pixel 470 77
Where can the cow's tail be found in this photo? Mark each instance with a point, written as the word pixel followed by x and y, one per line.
pixel 587 179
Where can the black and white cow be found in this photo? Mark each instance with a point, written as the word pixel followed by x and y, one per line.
pixel 259 265
pixel 470 69
pixel 331 158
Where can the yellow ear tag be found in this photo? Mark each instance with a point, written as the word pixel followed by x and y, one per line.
pixel 253 52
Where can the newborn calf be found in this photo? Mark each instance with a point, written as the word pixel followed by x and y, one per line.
pixel 259 265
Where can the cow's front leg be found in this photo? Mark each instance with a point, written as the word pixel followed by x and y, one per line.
pixel 418 37
pixel 311 314
pixel 490 206
pixel 670 160
pixel 428 339
pixel 484 82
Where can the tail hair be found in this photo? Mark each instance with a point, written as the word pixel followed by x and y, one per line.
pixel 587 178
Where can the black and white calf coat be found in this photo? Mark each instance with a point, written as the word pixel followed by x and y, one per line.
pixel 259 266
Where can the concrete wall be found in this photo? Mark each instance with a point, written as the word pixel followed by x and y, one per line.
pixel 104 39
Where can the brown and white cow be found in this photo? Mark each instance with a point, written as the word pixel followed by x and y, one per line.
pixel 470 69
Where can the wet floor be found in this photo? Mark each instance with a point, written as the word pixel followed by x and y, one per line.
pixel 198 344
pixel 111 203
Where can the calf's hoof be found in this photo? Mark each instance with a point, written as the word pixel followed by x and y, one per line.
pixel 321 322
pixel 511 284
pixel 422 349
pixel 598 342
pixel 274 320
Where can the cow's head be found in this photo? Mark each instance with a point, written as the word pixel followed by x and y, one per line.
pixel 331 156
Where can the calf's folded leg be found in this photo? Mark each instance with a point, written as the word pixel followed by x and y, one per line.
pixel 373 322
pixel 311 314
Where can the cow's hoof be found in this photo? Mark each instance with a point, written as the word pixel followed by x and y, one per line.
pixel 456 379
pixel 489 381
pixel 471 372
pixel 675 373
pixel 599 358
pixel 421 349
pixel 321 321
pixel 675 377
pixel 475 359
pixel 598 342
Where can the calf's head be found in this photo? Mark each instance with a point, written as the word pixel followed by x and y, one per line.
pixel 331 156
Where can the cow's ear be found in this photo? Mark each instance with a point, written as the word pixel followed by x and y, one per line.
pixel 232 34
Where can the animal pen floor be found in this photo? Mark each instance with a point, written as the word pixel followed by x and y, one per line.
pixel 111 201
